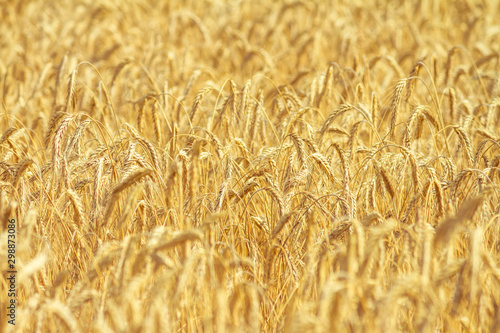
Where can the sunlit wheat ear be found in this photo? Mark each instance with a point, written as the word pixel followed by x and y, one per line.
pixel 59 135
pixel 254 116
pixel 197 101
pixel 276 195
pixel 414 169
pixel 313 147
pixel 156 121
pixel 247 86
pixel 219 149
pixel 439 198
pixel 281 224
pixel 386 180
pixel 322 162
pixel 124 184
pixel 495 162
pixel 479 150
pixel 374 109
pixel 53 125
pixel 242 146
pixel 396 99
pixel 73 143
pixel 71 94
pixel 345 166
pixel 448 228
pixel 351 143
pixel 447 66
pixel 452 103
pixel 97 190
pixel 140 115
pixel 8 133
pixel 60 69
pixel 465 143
pixel 148 146
pixel 332 116
pixel 20 170
pixel 411 80
pixel 360 93
pixel 328 77
pixel 78 207
pixel 299 146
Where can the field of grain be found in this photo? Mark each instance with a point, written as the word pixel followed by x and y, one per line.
pixel 246 166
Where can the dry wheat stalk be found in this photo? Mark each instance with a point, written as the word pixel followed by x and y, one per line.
pixel 140 115
pixel 23 165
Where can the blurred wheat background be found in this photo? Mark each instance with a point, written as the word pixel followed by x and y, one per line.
pixel 232 166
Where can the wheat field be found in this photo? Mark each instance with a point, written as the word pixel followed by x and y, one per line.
pixel 251 166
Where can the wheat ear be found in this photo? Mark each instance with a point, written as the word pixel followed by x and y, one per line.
pixel 124 184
